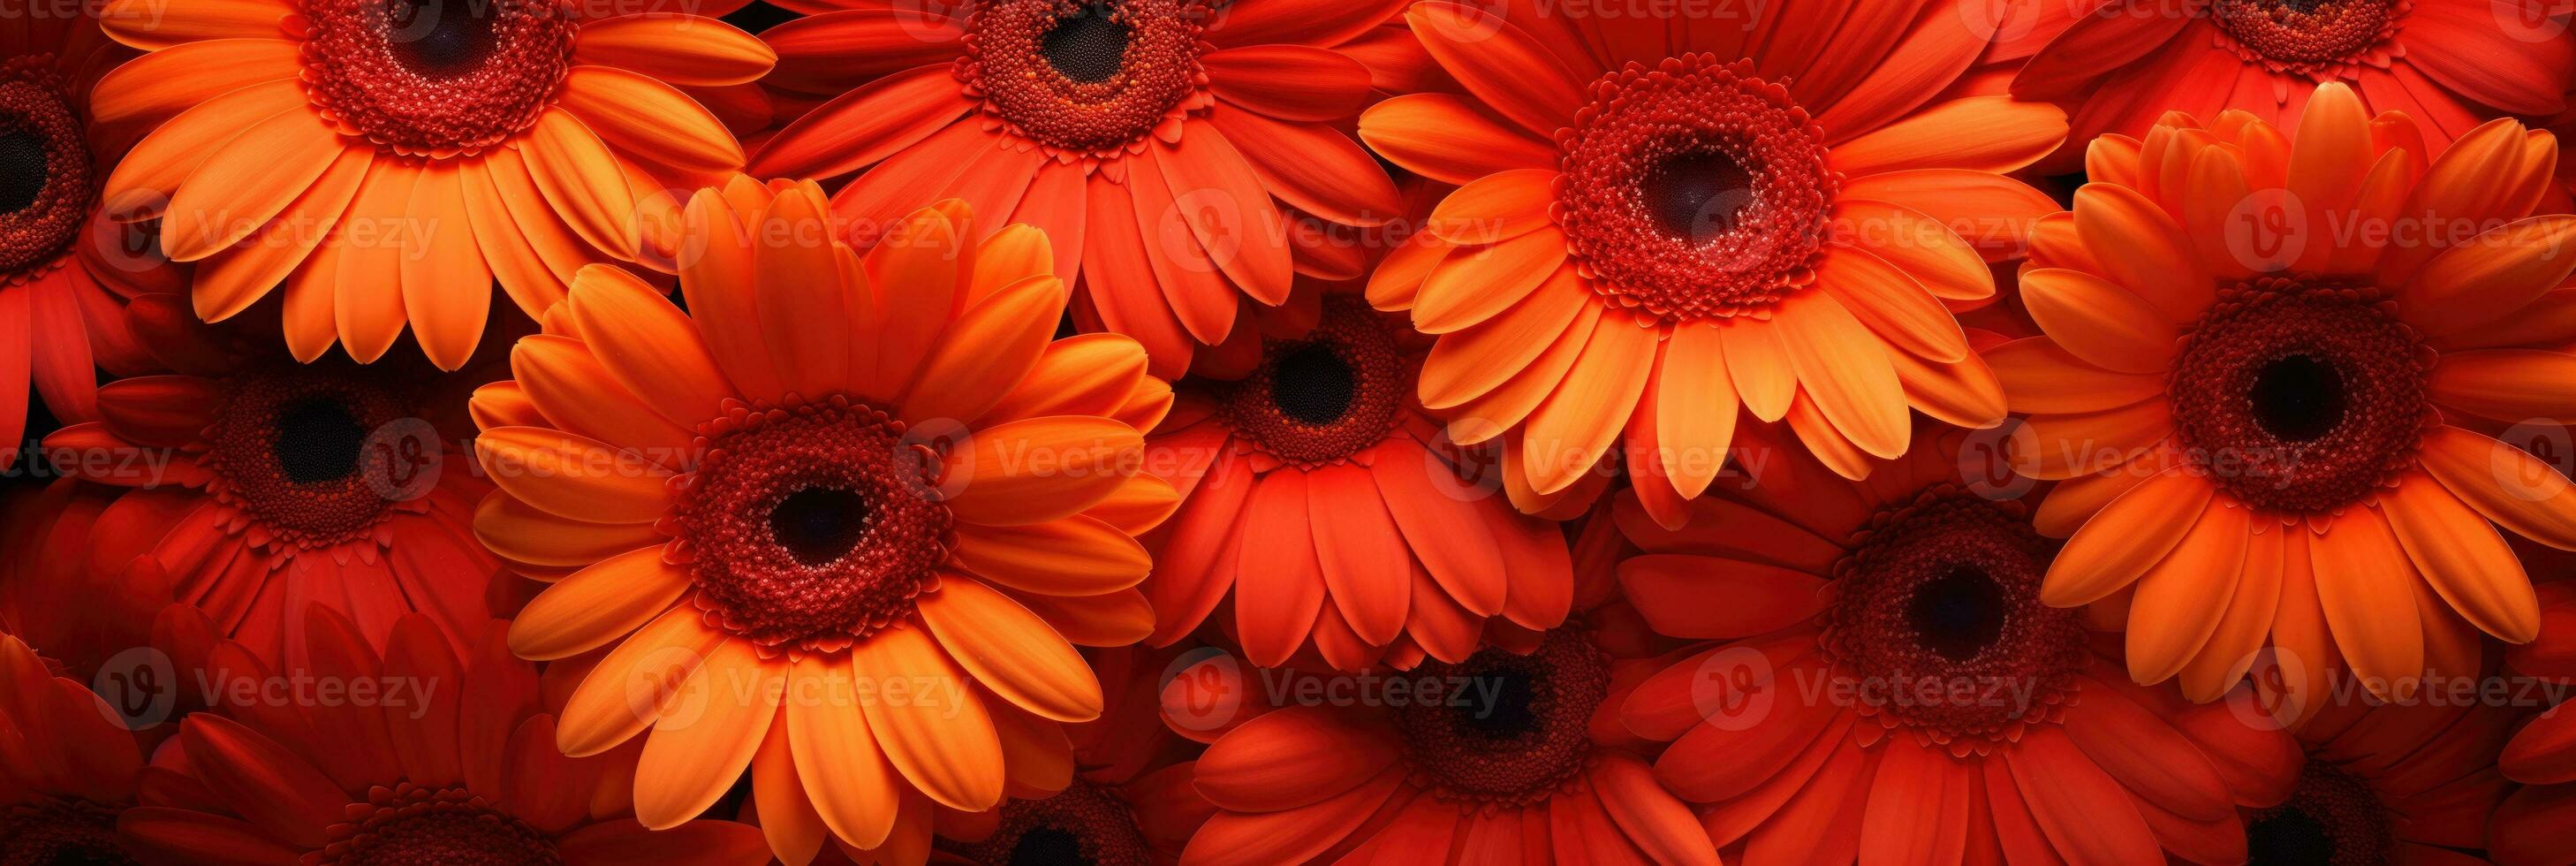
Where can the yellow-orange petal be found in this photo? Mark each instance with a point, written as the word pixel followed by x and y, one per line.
pixel 2125 538
pixel 937 733
pixel 1040 469
pixel 573 476
pixel 1011 651
pixel 626 690
pixel 707 735
pixel 597 605
pixel 845 774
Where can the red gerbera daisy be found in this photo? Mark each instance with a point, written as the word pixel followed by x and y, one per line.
pixel 423 758
pixel 261 485
pixel 2412 783
pixel 1330 507
pixel 66 767
pixel 1512 755
pixel 1147 138
pixel 1892 682
pixel 63 268
pixel 2450 64
pixel 2531 827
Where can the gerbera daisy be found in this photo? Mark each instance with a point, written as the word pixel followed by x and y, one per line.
pixel 2412 783
pixel 1319 497
pixel 420 758
pixel 64 268
pixel 2257 359
pixel 66 766
pixel 1890 681
pixel 860 508
pixel 2449 64
pixel 2531 826
pixel 259 485
pixel 1147 138
pixel 388 160
pixel 1129 800
pixel 1662 220
pixel 1500 758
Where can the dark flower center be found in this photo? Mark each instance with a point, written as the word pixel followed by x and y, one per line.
pixel 1322 398
pixel 46 187
pixel 318 440
pixel 2299 398
pixel 410 825
pixel 1960 614
pixel 290 447
pixel 1697 196
pixel 810 524
pixel 819 524
pixel 1090 77
pixel 60 832
pixel 2311 37
pixel 2332 819
pixel 1087 46
pixel 1944 589
pixel 23 171
pixel 436 77
pixel 1693 189
pixel 1506 728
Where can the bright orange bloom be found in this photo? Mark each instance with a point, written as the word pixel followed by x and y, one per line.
pixel 1147 138
pixel 1513 755
pixel 414 756
pixel 251 486
pixel 2409 783
pixel 2264 365
pixel 1662 220
pixel 2449 64
pixel 1319 497
pixel 852 513
pixel 1884 678
pixel 67 767
pixel 388 169
pixel 64 267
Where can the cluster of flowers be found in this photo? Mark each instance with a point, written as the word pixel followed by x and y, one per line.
pixel 1287 431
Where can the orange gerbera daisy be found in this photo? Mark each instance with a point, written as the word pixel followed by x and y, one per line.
pixel 258 485
pixel 387 161
pixel 64 268
pixel 1890 681
pixel 853 513
pixel 2412 783
pixel 67 767
pixel 2257 358
pixel 1147 138
pixel 411 757
pixel 2449 64
pixel 1665 219
pixel 1509 756
pixel 1317 495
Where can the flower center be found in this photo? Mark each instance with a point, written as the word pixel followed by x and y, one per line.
pixel 2333 818
pixel 436 77
pixel 60 831
pixel 1505 728
pixel 2310 37
pixel 289 446
pixel 1319 399
pixel 1083 824
pixel 2298 397
pixel 1945 589
pixel 1693 189
pixel 809 524
pixel 1087 77
pixel 46 186
pixel 416 826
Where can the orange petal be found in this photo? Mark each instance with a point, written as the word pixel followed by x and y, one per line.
pixel 597 605
pixel 937 733
pixel 707 735
pixel 1011 651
